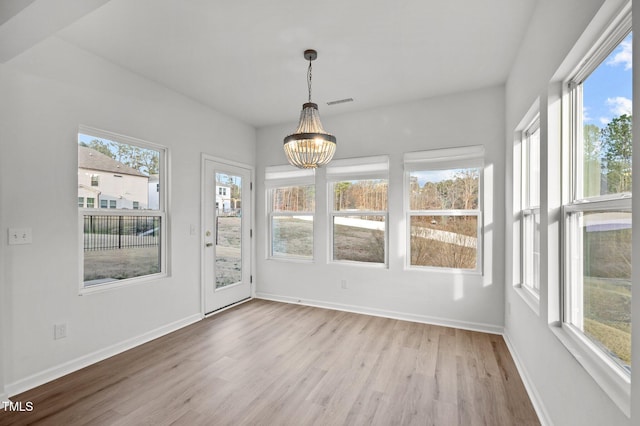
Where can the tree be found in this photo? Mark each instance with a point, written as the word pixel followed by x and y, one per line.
pixel 340 189
pixel 617 147
pixel 591 148
pixel 591 160
pixel 99 146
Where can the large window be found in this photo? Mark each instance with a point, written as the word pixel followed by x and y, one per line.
pixel 530 213
pixel 358 191
pixel 597 211
pixel 443 202
pixel 125 241
pixel 291 209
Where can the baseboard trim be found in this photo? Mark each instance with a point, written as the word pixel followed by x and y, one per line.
pixel 3 397
pixel 541 410
pixel 68 367
pixel 472 326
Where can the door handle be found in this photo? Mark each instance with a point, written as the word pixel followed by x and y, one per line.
pixel 208 244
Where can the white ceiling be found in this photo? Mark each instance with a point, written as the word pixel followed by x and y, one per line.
pixel 244 57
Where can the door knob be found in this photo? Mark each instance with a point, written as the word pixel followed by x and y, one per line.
pixel 208 244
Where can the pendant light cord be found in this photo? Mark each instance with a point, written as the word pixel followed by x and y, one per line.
pixel 309 79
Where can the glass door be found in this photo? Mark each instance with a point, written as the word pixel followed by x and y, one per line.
pixel 227 234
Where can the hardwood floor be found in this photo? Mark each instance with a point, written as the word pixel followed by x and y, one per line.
pixel 272 363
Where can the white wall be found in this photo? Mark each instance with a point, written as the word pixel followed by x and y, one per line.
pixel 465 300
pixel 564 392
pixel 46 93
pixel 3 305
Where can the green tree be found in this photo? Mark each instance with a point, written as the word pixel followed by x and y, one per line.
pixel 617 146
pixel 100 146
pixel 591 135
pixel 591 159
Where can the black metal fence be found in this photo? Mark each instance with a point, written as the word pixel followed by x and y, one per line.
pixel 103 232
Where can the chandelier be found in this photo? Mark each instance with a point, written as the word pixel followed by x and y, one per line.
pixel 309 146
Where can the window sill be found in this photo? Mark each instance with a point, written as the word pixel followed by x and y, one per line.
pixel 452 271
pixel 530 298
pixel 99 288
pixel 608 376
pixel 359 264
pixel 290 259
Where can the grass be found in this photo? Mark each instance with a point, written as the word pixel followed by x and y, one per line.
pixel 613 339
pixel 228 263
pixel 607 315
pixel 607 291
pixel 358 244
pixel 120 264
pixel 292 237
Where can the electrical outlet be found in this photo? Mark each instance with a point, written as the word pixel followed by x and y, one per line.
pixel 343 284
pixel 20 236
pixel 59 331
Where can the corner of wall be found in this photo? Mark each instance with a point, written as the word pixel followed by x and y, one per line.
pixel 529 385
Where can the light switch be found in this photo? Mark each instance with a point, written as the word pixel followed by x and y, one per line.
pixel 20 236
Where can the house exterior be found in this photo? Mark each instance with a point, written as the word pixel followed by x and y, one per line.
pixel 154 192
pixel 223 198
pixel 106 183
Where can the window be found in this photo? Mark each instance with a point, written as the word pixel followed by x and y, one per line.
pixel 358 190
pixel 597 210
pixel 291 198
pixel 530 214
pixel 443 204
pixel 120 244
pixel 94 180
pixel 80 201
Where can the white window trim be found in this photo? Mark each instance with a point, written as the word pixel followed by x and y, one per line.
pixel 281 177
pixel 527 213
pixel 618 376
pixel 609 376
pixel 360 168
pixel 440 159
pixel 162 213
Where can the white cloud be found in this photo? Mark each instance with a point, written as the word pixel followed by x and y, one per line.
pixel 619 105
pixel 585 114
pixel 622 56
pixel 604 120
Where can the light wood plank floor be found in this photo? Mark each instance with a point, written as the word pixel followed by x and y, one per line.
pixel 269 363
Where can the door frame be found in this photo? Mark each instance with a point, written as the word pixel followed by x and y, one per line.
pixel 201 240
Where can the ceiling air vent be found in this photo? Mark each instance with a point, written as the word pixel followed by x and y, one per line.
pixel 340 101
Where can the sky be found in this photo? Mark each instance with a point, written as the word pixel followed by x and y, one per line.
pixel 436 176
pixel 607 91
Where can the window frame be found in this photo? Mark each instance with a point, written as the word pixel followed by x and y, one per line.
pixel 162 213
pixel 286 176
pixel 610 376
pixel 528 212
pixel 356 169
pixel 465 157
